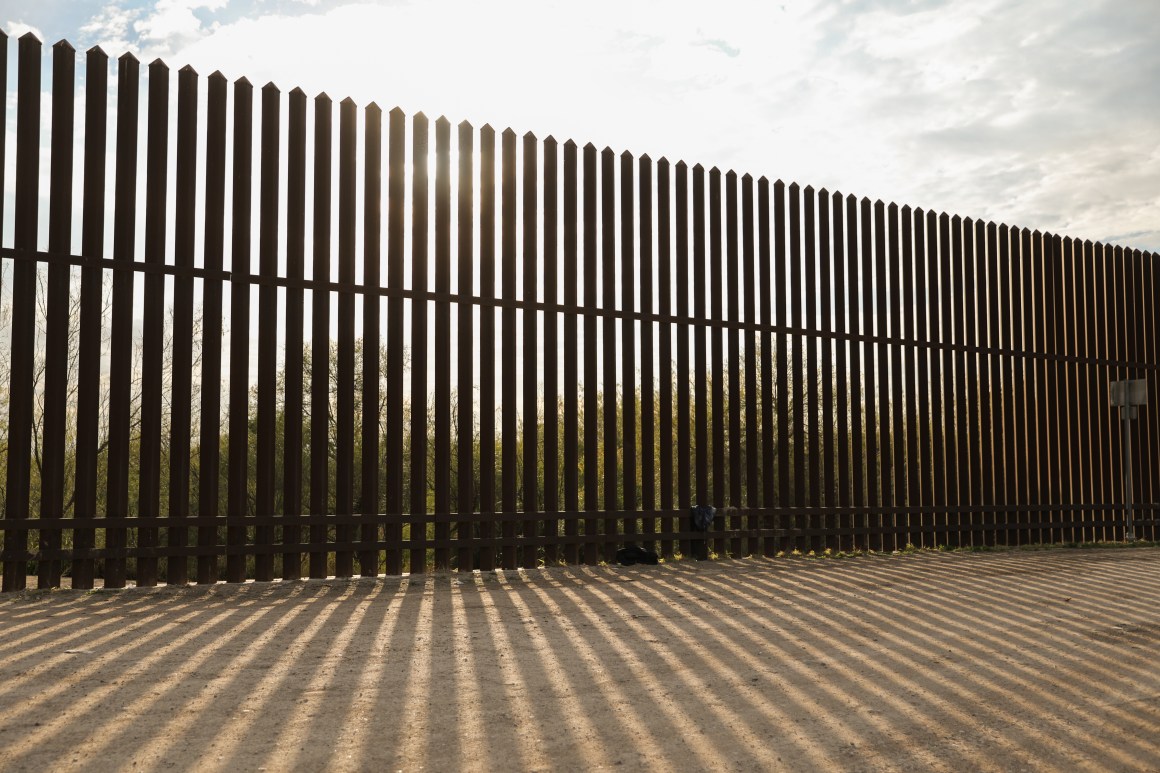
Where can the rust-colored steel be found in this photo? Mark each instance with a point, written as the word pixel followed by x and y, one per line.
pixel 153 320
pixel 509 427
pixel 990 420
pixel 530 494
pixel 294 362
pixel 92 281
pixel 666 374
pixel 441 474
pixel 465 410
pixel 909 302
pixel 1009 362
pixel 811 381
pixel 843 325
pixel 237 502
pixel 396 201
pixel 1024 375
pixel 684 457
pixel 591 388
pixel 320 337
pixel 782 345
pixel 950 247
pixel 853 281
pixel 701 374
pixel 551 353
pixel 647 334
pixel 936 227
pixel 56 347
pixel 628 344
pixel 121 323
pixel 419 247
pixel 344 366
pixel 752 395
pixel 181 387
pixel 812 450
pixel 717 364
pixel 487 349
pixel 267 420
pixel 209 431
pixel 869 392
pixel 898 377
pixel 796 343
pixel 769 493
pixel 1043 380
pixel 732 284
pixel 369 505
pixel 969 400
pixel 571 358
pixel 923 356
pixel 829 341
pixel 610 500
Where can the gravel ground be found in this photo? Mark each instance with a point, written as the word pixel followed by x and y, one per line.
pixel 1021 660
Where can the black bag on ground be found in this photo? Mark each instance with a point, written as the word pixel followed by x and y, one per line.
pixel 632 554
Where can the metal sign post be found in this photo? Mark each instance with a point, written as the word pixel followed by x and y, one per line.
pixel 1128 396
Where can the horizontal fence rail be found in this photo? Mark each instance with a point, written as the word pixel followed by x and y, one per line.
pixel 356 343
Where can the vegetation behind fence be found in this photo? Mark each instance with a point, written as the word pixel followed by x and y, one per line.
pixel 827 371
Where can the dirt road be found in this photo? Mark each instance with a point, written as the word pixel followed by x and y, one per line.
pixel 1043 660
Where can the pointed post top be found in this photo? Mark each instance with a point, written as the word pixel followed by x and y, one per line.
pixel 626 155
pixel 419 117
pixel 906 209
pixel 763 180
pixel 442 121
pixel 714 172
pixel 809 189
pixel 944 217
pixel 590 147
pixel 187 70
pixel 297 92
pixel 698 168
pixel 158 64
pixel 529 136
pixel 607 151
pixel 779 183
pixel 97 51
pixel 243 82
pixel 663 161
pixel 508 132
pixel 487 129
pixel 347 102
pixel 128 58
pixel 322 97
pixel 682 166
pixel 731 176
pixel 1087 243
pixel 28 39
pixel 63 45
pixel 373 107
pixel 747 178
pixel 571 143
pixel 397 111
pixel 270 86
pixel 645 158
pixel 550 139
pixel 823 194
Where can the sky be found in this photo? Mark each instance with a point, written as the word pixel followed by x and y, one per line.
pixel 1040 113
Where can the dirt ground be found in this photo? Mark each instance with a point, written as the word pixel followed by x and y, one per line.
pixel 1044 660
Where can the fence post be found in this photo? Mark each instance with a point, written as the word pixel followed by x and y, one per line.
pixel 57 302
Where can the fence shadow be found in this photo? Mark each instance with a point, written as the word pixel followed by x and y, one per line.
pixel 1031 660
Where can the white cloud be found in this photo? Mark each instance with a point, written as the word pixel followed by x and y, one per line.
pixel 17 29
